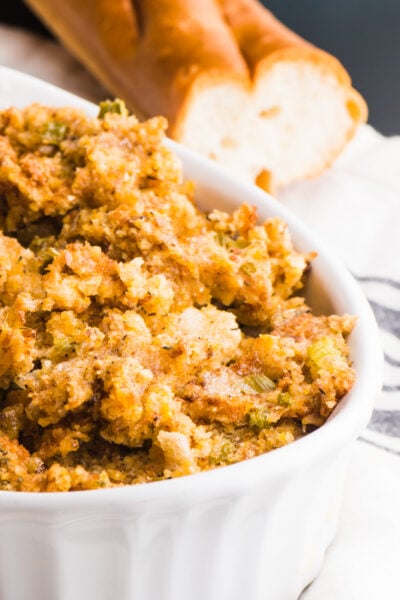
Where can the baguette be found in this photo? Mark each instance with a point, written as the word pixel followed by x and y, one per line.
pixel 234 83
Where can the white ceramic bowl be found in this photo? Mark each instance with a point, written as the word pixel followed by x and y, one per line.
pixel 254 530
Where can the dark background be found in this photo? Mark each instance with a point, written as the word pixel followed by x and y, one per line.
pixel 363 34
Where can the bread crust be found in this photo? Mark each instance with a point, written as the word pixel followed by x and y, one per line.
pixel 257 32
pixel 102 34
pixel 184 45
pixel 263 41
pixel 154 55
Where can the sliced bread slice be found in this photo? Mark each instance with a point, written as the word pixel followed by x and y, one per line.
pixel 293 120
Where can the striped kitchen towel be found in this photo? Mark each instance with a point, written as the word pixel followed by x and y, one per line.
pixel 355 208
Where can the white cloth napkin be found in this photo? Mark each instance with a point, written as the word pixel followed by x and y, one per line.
pixel 355 208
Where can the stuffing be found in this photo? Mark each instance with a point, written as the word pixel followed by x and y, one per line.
pixel 140 338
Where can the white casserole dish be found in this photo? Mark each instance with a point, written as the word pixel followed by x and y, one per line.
pixel 254 530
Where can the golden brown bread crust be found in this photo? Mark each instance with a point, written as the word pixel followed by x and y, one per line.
pixel 264 40
pixel 102 34
pixel 257 32
pixel 182 44
pixel 150 57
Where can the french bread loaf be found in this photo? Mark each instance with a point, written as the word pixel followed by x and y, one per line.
pixel 234 82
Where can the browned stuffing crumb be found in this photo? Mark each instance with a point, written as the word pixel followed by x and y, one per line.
pixel 125 313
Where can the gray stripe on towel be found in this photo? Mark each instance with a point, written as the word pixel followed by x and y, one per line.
pixel 380 446
pixel 386 422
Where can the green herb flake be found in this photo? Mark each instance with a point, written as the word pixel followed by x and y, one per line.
pixel 258 420
pixel 284 399
pixel 226 241
pixel 116 106
pixel 259 383
pixel 224 454
pixel 48 257
pixel 248 268
pixel 221 239
pixel 65 345
pixel 54 133
pixel 226 450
